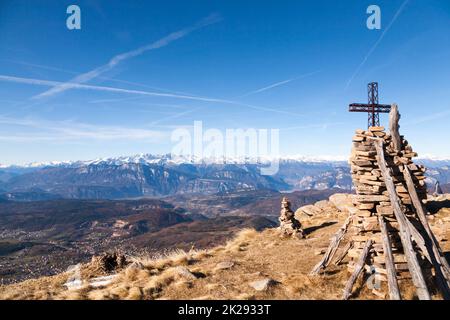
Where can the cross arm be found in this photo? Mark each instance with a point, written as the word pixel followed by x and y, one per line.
pixel 361 107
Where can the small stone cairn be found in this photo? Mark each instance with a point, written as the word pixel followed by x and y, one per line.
pixel 289 226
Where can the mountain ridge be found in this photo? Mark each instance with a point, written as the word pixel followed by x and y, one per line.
pixel 148 158
pixel 150 175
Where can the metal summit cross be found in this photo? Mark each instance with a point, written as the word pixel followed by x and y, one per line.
pixel 373 108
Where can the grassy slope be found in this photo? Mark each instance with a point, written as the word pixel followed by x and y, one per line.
pixel 256 255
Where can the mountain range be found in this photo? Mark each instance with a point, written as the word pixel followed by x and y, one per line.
pixel 157 176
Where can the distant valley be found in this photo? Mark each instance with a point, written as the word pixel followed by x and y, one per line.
pixel 45 237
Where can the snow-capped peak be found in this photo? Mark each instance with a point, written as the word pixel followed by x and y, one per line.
pixel 183 159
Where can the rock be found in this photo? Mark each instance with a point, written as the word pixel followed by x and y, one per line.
pixel 102 281
pixel 73 283
pixel 376 129
pixel 310 210
pixel 185 273
pixel 343 202
pixel 323 204
pixel 263 285
pixel 207 297
pixel 224 265
pixel 319 252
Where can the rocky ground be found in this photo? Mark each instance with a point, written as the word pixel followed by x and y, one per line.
pixel 253 265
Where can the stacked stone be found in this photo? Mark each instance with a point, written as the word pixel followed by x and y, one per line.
pixel 372 198
pixel 289 226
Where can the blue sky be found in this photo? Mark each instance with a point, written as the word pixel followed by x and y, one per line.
pixel 292 65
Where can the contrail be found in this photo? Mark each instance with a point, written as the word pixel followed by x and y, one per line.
pixel 69 130
pixel 51 83
pixel 40 66
pixel 116 60
pixel 103 88
pixel 177 115
pixel 278 84
pixel 312 126
pixel 397 14
pixel 430 117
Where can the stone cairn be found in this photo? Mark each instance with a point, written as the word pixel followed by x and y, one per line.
pixel 372 198
pixel 389 233
pixel 289 226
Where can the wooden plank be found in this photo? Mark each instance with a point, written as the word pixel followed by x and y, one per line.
pixel 358 269
pixel 436 256
pixel 331 251
pixel 394 117
pixel 421 213
pixel 405 234
pixel 418 239
pixel 394 291
pixel 343 253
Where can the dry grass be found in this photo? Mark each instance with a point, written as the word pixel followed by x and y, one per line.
pixel 195 275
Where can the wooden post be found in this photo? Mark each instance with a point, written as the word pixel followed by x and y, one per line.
pixel 421 213
pixel 394 118
pixel 358 269
pixel 331 251
pixel 418 239
pixel 344 252
pixel 405 234
pixel 394 292
pixel 436 256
